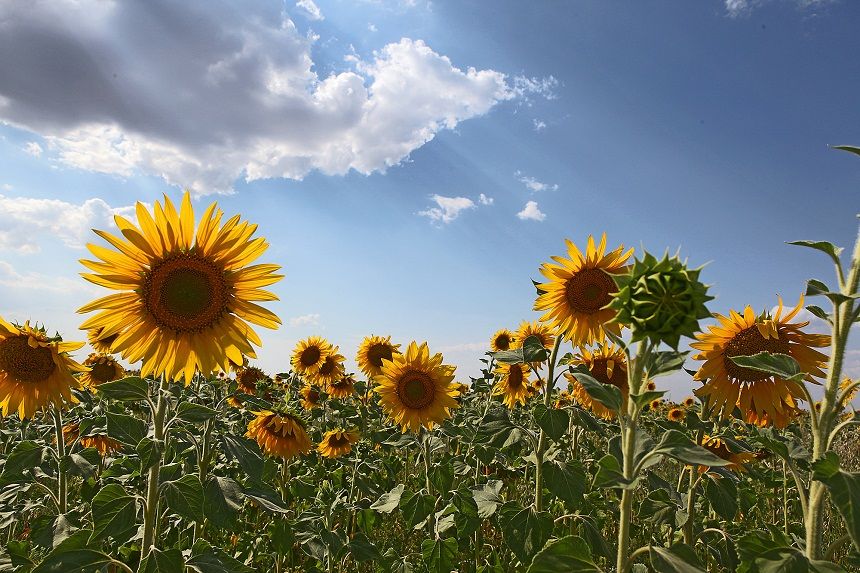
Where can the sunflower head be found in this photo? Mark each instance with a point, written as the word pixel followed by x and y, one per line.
pixel 235 402
pixel 655 404
pixel 248 377
pixel 458 389
pixel 310 354
pixel 608 365
pixel 104 444
pixel 279 434
pixel 651 386
pixel 310 397
pixel 331 369
pixel 342 388
pixel 513 384
pixel 660 300
pixel 542 331
pixel 414 388
pixel 98 342
pixel 102 368
pixel 35 370
pixel 502 340
pixel 373 351
pixel 578 290
pixel 675 414
pixel 689 402
pixel 564 399
pixel 720 448
pixel 336 443
pixel 763 399
pixel 183 299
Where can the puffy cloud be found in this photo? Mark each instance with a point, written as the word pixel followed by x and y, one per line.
pixel 531 212
pixel 33 148
pixel 484 200
pixel 447 208
pixel 312 319
pixel 202 94
pixel 310 9
pixel 736 8
pixel 533 184
pixel 12 279
pixel 539 125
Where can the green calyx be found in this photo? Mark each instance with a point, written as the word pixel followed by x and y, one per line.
pixel 660 300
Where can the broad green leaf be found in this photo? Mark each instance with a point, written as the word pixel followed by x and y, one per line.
pixel 722 494
pixel 533 350
pixel 568 554
pixel 114 512
pixel 815 287
pixel 679 558
pixel 363 549
pixel 185 497
pixel 247 453
pixel 388 502
pixel 51 530
pixel 194 413
pixel 208 559
pixel 552 421
pixel 524 530
pixel 77 464
pixel 849 148
pixel 844 488
pixel 222 498
pixel 268 500
pixel 24 457
pixel 131 389
pixel 606 394
pixel 828 249
pixel 647 397
pixel 157 561
pixel 609 474
pixel 416 508
pixel 566 481
pixel 664 362
pixel 780 365
pixel 78 560
pixel 676 445
pixel 440 555
pixel 487 498
pixel 127 429
pixel 149 451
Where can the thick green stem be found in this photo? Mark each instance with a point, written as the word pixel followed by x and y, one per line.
pixel 541 444
pixel 150 514
pixel 62 479
pixel 691 508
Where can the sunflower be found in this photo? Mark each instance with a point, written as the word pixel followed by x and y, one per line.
pixel 34 370
pixel 689 402
pixel 104 444
pixel 719 448
pixel 98 342
pixel 458 389
pixel 503 339
pixel 342 388
pixel 579 288
pixel 655 404
pixel 513 384
pixel 102 368
pixel 234 402
pixel 607 365
pixel 310 397
pixel 336 443
pixel 414 388
pixel 372 351
pixel 675 414
pixel 280 435
pixel 763 399
pixel 651 386
pixel 247 378
pixel 563 399
pixel 309 355
pixel 184 299
pixel 331 369
pixel 542 331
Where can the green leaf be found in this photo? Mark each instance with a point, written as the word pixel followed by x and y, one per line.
pixel 815 287
pixel 552 421
pixel 267 500
pixel 440 555
pixel 114 512
pixel 567 482
pixel 131 389
pixel 679 558
pixel 819 312
pixel 149 451
pixel 194 413
pixel 78 560
pixel 487 498
pixel 50 530
pixel 157 561
pixel 77 464
pixel 533 350
pixel 676 445
pixel 828 249
pixel 127 429
pixel 525 530
pixel 722 494
pixel 416 508
pixel 848 148
pixel 185 497
pixel 208 559
pixel 647 397
pixel 24 457
pixel 568 554
pixel 247 453
pixel 664 362
pixel 222 499
pixel 780 365
pixel 388 502
pixel 509 356
pixel 363 549
pixel 606 394
pixel 844 488
pixel 609 474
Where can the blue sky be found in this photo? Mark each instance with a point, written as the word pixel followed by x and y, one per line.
pixel 413 163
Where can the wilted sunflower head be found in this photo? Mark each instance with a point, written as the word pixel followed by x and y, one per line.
pixel 280 434
pixel 502 340
pixel 372 351
pixel 341 388
pixel 719 447
pixel 309 355
pixel 102 368
pixel 513 384
pixel 578 290
pixel 235 402
pixel 414 388
pixel 336 443
pixel 34 370
pixel 310 397
pixel 248 377
pixel 104 444
pixel 184 299
pixel 764 399
pixel 564 399
pixel 608 365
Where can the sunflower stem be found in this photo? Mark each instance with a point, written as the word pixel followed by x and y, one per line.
pixel 541 445
pixel 62 485
pixel 150 513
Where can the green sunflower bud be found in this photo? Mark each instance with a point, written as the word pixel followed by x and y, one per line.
pixel 660 300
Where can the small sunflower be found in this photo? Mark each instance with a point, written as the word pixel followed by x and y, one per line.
pixel 247 378
pixel 98 342
pixel 719 448
pixel 372 351
pixel 542 331
pixel 764 399
pixel 183 300
pixel 331 369
pixel 849 389
pixel 608 365
pixel 458 389
pixel 651 386
pixel 675 415
pixel 503 339
pixel 104 444
pixel 579 289
pixel 280 435
pixel 309 355
pixel 564 399
pixel 234 402
pixel 513 384
pixel 310 397
pixel 414 388
pixel 336 443
pixel 689 402
pixel 655 404
pixel 102 368
pixel 34 370
pixel 341 389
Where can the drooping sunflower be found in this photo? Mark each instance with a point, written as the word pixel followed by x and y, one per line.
pixel 34 370
pixel 503 339
pixel 719 448
pixel 280 435
pixel 310 397
pixel 542 331
pixel 340 389
pixel 763 399
pixel 98 342
pixel 247 378
pixel 309 355
pixel 331 369
pixel 372 351
pixel 102 368
pixel 414 388
pixel 185 299
pixel 579 288
pixel 105 445
pixel 513 384
pixel 607 365
pixel 336 443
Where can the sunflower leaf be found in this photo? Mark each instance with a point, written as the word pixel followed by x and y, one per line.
pixel 677 445
pixel 440 555
pixel 525 530
pixel 114 512
pixel 194 413
pixel 389 501
pixel 533 350
pixel 126 429
pixel 552 421
pixel 679 558
pixel 844 488
pixel 569 553
pixel 185 497
pixel 24 457
pixel 849 148
pixel 779 365
pixel 131 389
pixel 606 394
pixel 829 249
pixel 157 561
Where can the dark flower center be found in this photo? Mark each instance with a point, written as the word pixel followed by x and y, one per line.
pixel 25 363
pixel 416 390
pixel 589 290
pixel 745 343
pixel 379 352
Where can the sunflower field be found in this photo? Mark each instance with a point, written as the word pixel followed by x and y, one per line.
pixel 564 455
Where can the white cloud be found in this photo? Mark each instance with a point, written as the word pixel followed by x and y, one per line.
pixel 533 184
pixel 33 148
pixel 12 279
pixel 736 8
pixel 447 208
pixel 310 9
pixel 464 347
pixel 226 91
pixel 24 221
pixel 372 27
pixel 531 212
pixel 305 320
pixel 539 125
pixel 484 200
pixel 6 187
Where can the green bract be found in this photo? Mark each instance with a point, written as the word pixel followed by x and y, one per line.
pixel 660 300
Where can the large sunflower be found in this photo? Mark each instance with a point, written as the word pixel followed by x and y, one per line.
pixel 309 355
pixel 372 351
pixel 763 399
pixel 336 443
pixel 184 298
pixel 331 369
pixel 102 368
pixel 414 388
pixel 579 289
pixel 34 370
pixel 340 389
pixel 512 384
pixel 608 365
pixel 247 378
pixel 279 435
pixel 503 339
pixel 542 331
